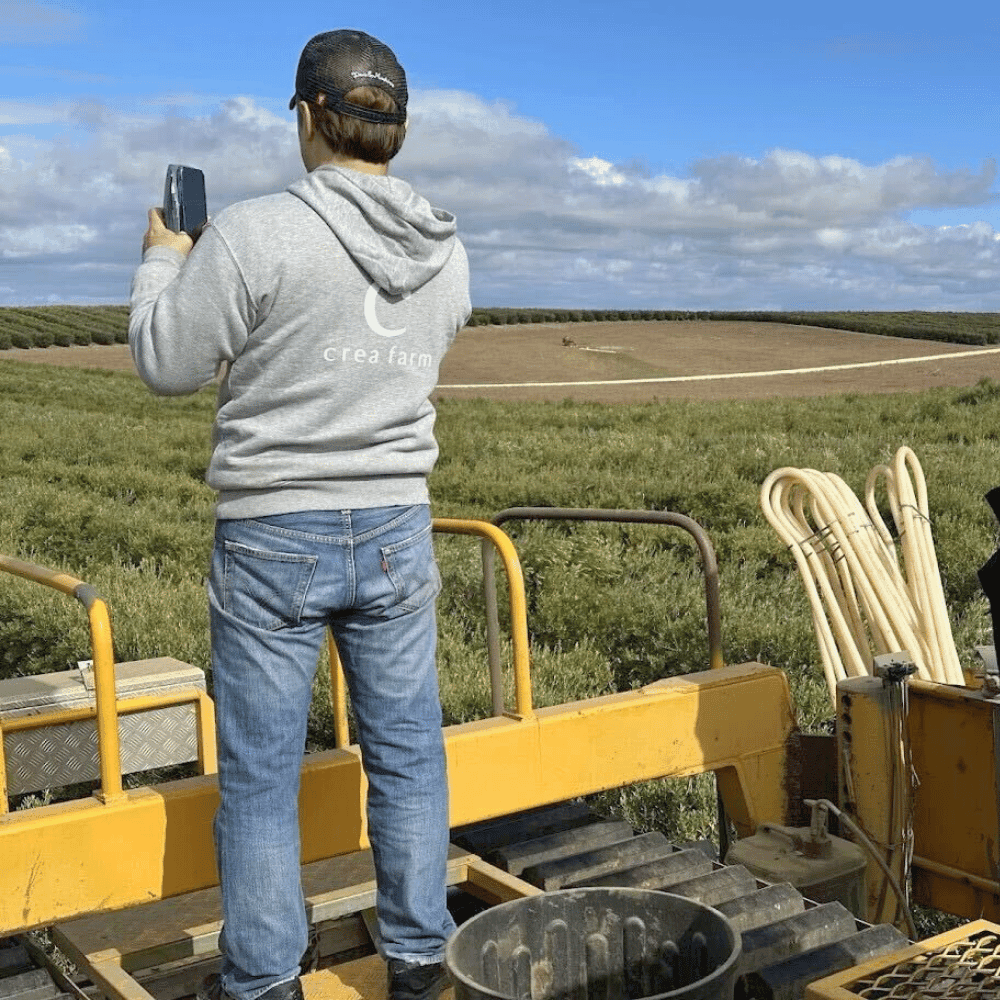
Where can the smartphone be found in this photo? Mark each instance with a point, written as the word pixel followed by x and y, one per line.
pixel 184 207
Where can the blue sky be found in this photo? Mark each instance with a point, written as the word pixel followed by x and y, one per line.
pixel 652 155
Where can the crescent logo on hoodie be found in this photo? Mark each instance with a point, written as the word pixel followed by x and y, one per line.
pixel 371 317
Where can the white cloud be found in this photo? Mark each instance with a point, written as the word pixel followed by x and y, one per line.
pixel 543 224
pixel 33 113
pixel 785 229
pixel 600 171
pixel 51 239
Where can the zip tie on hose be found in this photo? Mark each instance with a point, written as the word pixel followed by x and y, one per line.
pixel 867 596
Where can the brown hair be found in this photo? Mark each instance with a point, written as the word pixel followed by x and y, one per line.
pixel 346 135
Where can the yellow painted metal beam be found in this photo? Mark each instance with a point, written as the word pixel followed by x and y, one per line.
pixel 875 785
pixel 734 719
pixel 954 736
pixel 102 651
pixel 956 817
pixel 953 890
pixel 68 859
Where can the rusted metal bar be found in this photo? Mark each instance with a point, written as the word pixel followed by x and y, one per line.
pixel 709 562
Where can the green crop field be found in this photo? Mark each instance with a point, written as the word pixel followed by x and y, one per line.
pixel 62 326
pixel 103 480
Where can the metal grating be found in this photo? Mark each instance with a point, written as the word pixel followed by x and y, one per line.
pixel 969 968
pixel 961 964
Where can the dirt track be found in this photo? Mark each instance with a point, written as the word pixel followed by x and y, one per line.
pixel 497 359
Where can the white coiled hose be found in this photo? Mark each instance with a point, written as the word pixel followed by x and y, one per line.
pixel 865 601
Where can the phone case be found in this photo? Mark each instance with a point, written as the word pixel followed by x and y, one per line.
pixel 184 206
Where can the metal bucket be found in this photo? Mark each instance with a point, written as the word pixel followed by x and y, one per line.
pixel 595 944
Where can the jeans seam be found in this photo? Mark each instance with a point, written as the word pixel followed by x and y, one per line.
pixel 350 538
pixel 352 572
pixel 405 543
pixel 295 534
pixel 372 533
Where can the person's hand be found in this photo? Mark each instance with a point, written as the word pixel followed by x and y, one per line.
pixel 157 235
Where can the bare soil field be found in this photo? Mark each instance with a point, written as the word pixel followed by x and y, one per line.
pixel 631 362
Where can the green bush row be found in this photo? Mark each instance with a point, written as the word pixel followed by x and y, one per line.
pixel 62 326
pixel 501 317
pixel 953 327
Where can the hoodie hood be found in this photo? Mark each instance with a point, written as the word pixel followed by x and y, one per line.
pixel 393 234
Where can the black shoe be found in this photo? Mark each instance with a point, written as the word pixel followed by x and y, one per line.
pixel 416 982
pixel 310 957
pixel 211 989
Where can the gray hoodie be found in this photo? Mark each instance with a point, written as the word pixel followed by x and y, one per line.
pixel 328 308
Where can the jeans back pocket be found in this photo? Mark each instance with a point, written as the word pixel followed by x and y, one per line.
pixel 412 570
pixel 266 589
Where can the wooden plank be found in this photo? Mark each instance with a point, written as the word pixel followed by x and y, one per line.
pixel 175 980
pixel 494 885
pixel 115 983
pixel 188 926
pixel 362 979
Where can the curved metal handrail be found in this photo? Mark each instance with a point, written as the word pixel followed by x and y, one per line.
pixel 102 651
pixel 493 540
pixel 709 562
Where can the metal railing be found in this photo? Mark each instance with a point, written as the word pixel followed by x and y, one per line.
pixel 709 562
pixel 493 541
pixel 106 709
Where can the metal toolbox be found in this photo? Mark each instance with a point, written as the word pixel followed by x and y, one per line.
pixel 66 753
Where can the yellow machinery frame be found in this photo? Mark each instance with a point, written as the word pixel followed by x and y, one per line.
pixel 65 860
pixel 122 847
pixel 954 741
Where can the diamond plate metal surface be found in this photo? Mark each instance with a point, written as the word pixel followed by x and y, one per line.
pixel 960 964
pixel 963 970
pixel 67 754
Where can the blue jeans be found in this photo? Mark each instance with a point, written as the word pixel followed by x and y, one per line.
pixel 276 584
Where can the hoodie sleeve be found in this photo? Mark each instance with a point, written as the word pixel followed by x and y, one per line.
pixel 187 316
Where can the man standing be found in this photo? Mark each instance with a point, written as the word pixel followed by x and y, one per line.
pixel 327 308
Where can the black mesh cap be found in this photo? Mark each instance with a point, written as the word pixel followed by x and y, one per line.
pixel 334 63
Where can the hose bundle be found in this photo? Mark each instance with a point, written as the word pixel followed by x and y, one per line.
pixel 867 598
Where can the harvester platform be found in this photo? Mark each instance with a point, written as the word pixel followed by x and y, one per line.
pixel 163 949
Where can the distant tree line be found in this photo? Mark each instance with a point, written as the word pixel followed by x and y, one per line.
pixel 65 326
pixel 955 327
